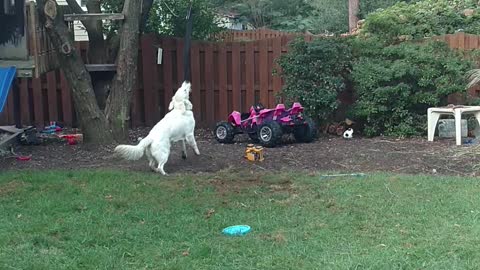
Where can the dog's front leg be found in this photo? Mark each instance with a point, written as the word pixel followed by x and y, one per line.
pixel 191 141
pixel 184 150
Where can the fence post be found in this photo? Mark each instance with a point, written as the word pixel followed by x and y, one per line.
pixel 38 102
pixel 150 95
pixel 236 94
pixel 52 96
pixel 263 64
pixel 250 73
pixel 167 67
pixel 222 89
pixel 209 84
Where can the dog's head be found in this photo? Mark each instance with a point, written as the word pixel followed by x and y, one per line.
pixel 184 90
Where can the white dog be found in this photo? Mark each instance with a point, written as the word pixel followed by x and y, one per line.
pixel 180 100
pixel 177 125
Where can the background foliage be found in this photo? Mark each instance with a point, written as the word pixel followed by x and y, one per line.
pixel 423 19
pixel 316 16
pixel 167 17
pixel 315 73
pixel 395 85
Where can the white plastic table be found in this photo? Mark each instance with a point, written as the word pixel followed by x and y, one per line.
pixel 434 114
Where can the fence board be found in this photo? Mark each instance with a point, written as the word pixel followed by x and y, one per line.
pixel 52 96
pixel 167 67
pixel 24 101
pixel 209 85
pixel 150 94
pixel 38 102
pixel 196 88
pixel 460 40
pixel 10 106
pixel 250 74
pixel 263 78
pixel 66 101
pixel 236 95
pixel 179 51
pixel 222 82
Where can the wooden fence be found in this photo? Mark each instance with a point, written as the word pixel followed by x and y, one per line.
pixel 251 35
pixel 226 76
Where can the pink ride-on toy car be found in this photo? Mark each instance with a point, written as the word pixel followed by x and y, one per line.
pixel 266 126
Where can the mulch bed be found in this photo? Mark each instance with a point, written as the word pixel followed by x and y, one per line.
pixel 327 153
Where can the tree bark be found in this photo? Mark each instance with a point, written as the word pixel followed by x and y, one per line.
pixel 124 82
pixel 353 7
pixel 92 120
pixel 98 54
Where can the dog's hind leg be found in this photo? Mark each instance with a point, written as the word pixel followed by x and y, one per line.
pixel 184 150
pixel 162 158
pixel 151 160
pixel 191 141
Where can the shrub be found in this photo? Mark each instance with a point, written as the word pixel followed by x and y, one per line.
pixel 422 19
pixel 315 73
pixel 396 84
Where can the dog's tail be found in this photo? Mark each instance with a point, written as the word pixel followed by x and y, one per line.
pixel 133 152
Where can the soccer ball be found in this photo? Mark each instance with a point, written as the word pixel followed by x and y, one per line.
pixel 348 134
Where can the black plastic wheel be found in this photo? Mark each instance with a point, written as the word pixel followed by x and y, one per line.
pixel 224 132
pixel 306 133
pixel 269 133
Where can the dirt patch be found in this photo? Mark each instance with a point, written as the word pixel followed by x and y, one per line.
pixel 10 187
pixel 411 156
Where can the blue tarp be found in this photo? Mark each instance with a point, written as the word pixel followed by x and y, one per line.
pixel 7 74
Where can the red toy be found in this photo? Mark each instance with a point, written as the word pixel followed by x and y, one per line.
pixel 24 158
pixel 72 138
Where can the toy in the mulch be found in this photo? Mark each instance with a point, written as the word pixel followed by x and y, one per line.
pixel 254 153
pixel 72 139
pixel 23 158
pixel 267 126
pixel 348 134
pixel 52 128
pixel 237 230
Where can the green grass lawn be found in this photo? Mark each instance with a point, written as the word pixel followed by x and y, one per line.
pixel 115 220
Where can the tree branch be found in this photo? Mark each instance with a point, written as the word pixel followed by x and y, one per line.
pixel 113 42
pixel 97 44
pixel 147 5
pixel 77 9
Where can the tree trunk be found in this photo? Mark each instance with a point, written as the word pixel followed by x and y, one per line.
pixel 98 54
pixel 353 7
pixel 124 82
pixel 98 127
pixel 92 120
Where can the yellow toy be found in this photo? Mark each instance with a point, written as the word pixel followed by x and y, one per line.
pixel 254 153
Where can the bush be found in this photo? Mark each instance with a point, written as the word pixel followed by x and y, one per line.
pixel 396 84
pixel 315 73
pixel 422 19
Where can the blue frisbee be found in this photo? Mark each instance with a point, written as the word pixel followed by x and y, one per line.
pixel 237 230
